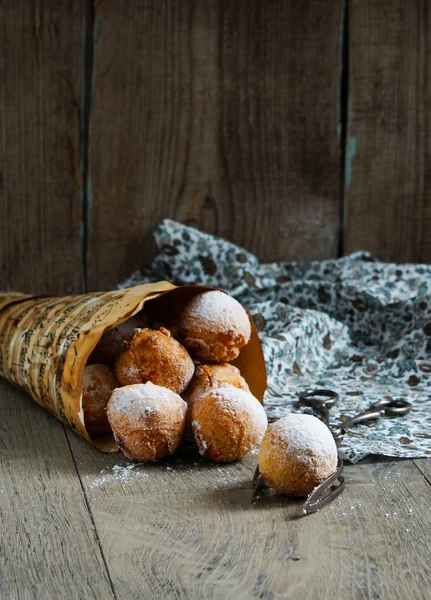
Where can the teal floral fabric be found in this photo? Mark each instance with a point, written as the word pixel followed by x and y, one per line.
pixel 354 325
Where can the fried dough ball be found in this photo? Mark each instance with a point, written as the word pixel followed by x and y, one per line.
pixel 154 356
pixel 297 453
pixel 111 342
pixel 147 420
pixel 98 385
pixel 214 327
pixel 207 377
pixel 227 423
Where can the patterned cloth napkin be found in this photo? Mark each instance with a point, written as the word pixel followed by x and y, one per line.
pixel 353 325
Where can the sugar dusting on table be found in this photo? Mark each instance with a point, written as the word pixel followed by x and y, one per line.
pixel 119 474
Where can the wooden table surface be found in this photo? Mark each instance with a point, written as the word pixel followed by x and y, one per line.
pixel 77 523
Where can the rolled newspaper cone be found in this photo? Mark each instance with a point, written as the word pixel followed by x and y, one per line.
pixel 45 343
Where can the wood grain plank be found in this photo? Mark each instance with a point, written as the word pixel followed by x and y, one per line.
pixel 48 548
pixel 222 115
pixel 40 176
pixel 388 146
pixel 372 542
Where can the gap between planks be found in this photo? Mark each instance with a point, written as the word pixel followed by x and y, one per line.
pixel 87 101
pixel 424 466
pixel 344 119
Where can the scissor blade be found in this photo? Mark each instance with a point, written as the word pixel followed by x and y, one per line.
pixel 257 485
pixel 326 492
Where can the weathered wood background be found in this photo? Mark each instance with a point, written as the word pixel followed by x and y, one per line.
pixel 297 129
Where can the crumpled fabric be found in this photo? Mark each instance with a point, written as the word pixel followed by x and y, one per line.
pixel 354 325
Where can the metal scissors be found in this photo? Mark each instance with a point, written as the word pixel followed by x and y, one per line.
pixel 321 401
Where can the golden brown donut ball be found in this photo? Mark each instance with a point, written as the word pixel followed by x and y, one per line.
pixel 207 377
pixel 111 342
pixel 297 453
pixel 98 385
pixel 147 420
pixel 157 357
pixel 227 423
pixel 214 327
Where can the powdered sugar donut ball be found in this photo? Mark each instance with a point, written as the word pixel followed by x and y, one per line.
pixel 98 384
pixel 157 357
pixel 111 342
pixel 147 420
pixel 207 377
pixel 227 423
pixel 214 327
pixel 297 453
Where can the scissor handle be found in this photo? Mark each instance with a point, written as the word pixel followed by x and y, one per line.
pixel 316 397
pixel 320 401
pixel 371 414
pixel 382 408
pixel 320 396
pixel 393 408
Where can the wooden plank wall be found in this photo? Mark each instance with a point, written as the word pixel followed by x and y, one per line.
pixel 388 180
pixel 40 174
pixel 296 129
pixel 219 114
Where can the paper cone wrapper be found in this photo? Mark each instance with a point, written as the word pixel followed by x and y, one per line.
pixel 45 343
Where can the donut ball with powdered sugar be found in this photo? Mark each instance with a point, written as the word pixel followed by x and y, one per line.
pixel 214 327
pixel 227 423
pixel 297 453
pixel 111 342
pixel 157 357
pixel 147 420
pixel 98 383
pixel 207 377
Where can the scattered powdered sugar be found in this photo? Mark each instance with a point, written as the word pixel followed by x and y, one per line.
pixel 119 474
pixel 234 400
pixel 304 436
pixel 219 309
